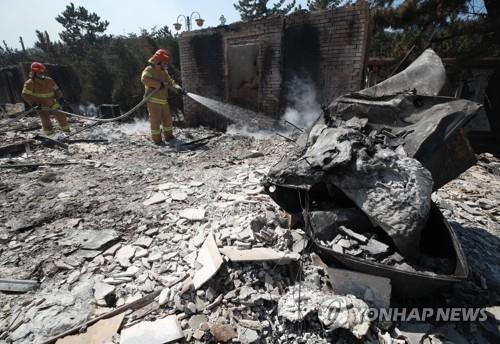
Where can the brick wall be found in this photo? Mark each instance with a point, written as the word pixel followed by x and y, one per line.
pixel 335 44
pixel 328 47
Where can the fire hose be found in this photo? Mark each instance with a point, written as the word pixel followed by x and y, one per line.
pixel 101 120
pixel 97 120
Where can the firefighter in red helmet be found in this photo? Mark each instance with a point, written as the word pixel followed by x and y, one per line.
pixel 155 76
pixel 41 91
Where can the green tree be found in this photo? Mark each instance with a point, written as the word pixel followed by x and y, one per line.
pixel 125 68
pixel 96 78
pixel 313 5
pixel 44 43
pixel 80 27
pixel 493 15
pixel 9 56
pixel 251 9
pixel 451 27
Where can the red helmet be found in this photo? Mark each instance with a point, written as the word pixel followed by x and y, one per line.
pixel 161 55
pixel 37 67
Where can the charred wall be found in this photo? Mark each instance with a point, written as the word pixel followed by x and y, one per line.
pixel 329 48
pixel 202 69
pixel 252 64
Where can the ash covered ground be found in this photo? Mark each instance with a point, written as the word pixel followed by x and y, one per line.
pixel 129 219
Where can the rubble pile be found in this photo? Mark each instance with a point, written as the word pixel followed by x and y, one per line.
pixel 470 202
pixel 123 224
pixel 366 246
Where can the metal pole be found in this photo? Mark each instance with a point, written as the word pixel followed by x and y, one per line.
pixel 22 43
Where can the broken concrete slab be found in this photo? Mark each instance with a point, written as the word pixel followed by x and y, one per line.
pixel 65 309
pixel 73 277
pixel 17 286
pixel 130 272
pixel 376 248
pixel 178 195
pixel 210 261
pixel 117 280
pixel 112 250
pixel 168 186
pixel 223 333
pixel 143 241
pixel 85 254
pixel 156 198
pixel 375 290
pixel 196 183
pixel 247 336
pixel 359 237
pixel 258 254
pixel 101 332
pixel 20 224
pixel 193 214
pixel 124 254
pixel 164 296
pixel 300 242
pixel 198 321
pixel 251 324
pixel 161 331
pixel 101 290
pixel 98 240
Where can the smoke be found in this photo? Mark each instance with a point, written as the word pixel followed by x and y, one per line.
pixel 120 131
pixel 303 108
pixel 137 127
pixel 243 130
pixel 89 109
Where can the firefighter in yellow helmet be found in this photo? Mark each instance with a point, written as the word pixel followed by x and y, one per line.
pixel 40 91
pixel 155 76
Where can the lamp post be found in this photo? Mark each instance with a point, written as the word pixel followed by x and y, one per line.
pixel 188 20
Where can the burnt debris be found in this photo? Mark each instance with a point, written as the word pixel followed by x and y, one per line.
pixel 363 175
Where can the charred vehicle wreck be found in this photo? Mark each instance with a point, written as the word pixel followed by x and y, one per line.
pixel 362 176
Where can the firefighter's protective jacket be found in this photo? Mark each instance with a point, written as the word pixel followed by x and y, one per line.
pixel 152 79
pixel 43 91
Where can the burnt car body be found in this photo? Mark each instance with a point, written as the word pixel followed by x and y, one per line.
pixel 374 157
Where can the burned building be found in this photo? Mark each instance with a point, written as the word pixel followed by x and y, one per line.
pixel 254 64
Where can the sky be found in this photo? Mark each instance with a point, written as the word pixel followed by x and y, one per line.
pixel 23 17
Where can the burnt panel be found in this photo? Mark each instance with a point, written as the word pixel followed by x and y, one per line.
pixel 209 59
pixel 243 75
pixel 302 53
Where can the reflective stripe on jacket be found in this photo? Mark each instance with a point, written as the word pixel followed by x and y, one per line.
pixel 41 90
